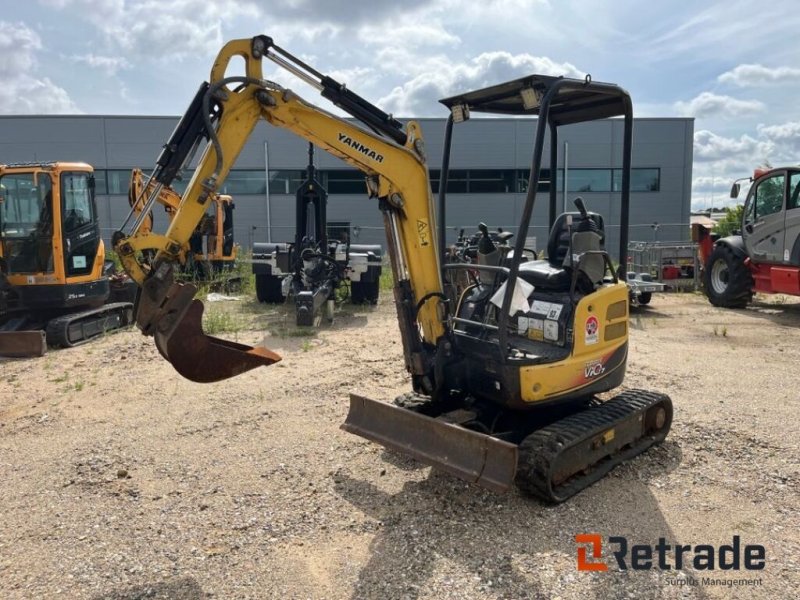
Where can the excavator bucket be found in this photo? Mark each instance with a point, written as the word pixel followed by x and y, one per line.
pixel 205 359
pixel 22 344
pixel 469 455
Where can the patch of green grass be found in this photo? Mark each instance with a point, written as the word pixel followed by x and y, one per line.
pixel 113 257
pixel 78 386
pixel 61 378
pixel 219 320
pixel 307 345
pixel 387 279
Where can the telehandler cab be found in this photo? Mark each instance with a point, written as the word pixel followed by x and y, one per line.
pixel 505 380
pixel 764 256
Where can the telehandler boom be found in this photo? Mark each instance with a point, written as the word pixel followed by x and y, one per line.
pixel 504 376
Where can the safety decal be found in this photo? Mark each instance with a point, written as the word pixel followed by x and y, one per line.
pixel 592 330
pixel 422 232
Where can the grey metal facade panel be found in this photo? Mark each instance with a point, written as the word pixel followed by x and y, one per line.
pixel 73 151
pixel 124 142
pixel 47 129
pixel 137 130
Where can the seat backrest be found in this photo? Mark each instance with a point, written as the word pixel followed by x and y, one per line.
pixel 558 242
pixel 592 265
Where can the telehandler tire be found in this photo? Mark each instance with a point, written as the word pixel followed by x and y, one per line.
pixel 728 281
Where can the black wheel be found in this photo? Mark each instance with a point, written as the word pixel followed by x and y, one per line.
pixel 364 292
pixel 728 281
pixel 268 289
pixel 645 297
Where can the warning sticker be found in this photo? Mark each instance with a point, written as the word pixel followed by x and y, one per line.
pixel 592 330
pixel 536 329
pixel 423 232
pixel 536 334
pixel 522 325
pixel 551 330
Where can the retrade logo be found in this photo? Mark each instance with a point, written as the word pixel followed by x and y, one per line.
pixel 596 544
pixel 665 556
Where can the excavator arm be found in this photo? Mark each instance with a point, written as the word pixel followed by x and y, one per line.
pixel 220 120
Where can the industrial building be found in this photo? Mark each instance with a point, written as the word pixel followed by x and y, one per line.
pixel 489 172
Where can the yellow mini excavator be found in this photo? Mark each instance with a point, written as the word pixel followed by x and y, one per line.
pixel 506 376
pixel 55 285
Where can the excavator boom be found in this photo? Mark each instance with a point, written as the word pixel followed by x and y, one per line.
pixel 219 120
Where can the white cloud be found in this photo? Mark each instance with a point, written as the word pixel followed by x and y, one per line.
pixel 157 29
pixel 438 78
pixel 342 12
pixel 23 92
pixel 720 160
pixel 416 35
pixel 755 75
pixel 709 146
pixel 108 64
pixel 786 136
pixel 708 104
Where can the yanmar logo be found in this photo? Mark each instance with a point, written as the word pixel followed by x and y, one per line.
pixel 355 144
pixel 665 557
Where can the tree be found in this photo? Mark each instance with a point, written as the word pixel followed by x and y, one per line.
pixel 731 222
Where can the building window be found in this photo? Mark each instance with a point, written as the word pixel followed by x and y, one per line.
pixel 100 187
pixel 118 181
pixel 344 181
pixel 523 177
pixel 586 180
pixel 486 181
pixel 245 182
pixel 642 180
pixel 285 181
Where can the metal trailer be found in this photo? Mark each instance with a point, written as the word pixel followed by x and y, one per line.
pixel 674 264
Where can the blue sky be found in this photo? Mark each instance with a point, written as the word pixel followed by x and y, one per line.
pixel 731 65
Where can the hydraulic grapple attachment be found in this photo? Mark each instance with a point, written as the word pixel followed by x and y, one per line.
pixel 177 325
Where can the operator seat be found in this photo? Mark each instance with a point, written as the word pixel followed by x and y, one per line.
pixel 554 274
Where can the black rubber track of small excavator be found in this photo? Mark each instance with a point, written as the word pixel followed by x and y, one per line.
pixel 541 451
pixel 79 328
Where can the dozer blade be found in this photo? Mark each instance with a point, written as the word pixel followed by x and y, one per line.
pixel 22 344
pixel 205 359
pixel 469 455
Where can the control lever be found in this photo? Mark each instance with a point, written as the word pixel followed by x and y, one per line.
pixel 579 204
pixel 485 244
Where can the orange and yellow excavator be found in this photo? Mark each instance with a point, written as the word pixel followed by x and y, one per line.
pixel 55 286
pixel 506 374
pixel 211 248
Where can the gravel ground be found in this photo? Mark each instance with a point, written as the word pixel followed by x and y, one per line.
pixel 123 481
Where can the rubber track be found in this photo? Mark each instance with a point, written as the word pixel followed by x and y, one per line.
pixel 58 328
pixel 540 451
